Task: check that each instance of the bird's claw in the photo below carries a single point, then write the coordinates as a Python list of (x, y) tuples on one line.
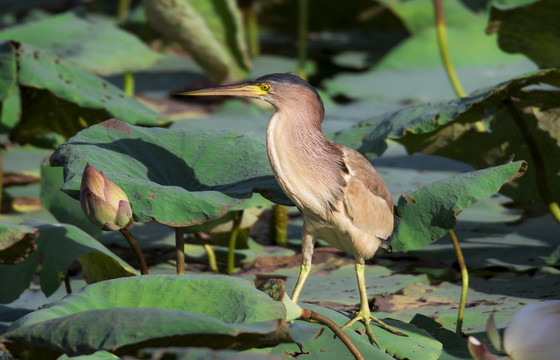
[(367, 318)]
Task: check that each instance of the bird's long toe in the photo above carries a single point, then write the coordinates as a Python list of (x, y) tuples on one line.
[(367, 318)]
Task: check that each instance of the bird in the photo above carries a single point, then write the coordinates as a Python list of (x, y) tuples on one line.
[(340, 195)]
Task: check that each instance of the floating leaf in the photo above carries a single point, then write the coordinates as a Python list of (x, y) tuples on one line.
[(85, 43), (454, 346), (428, 213), (444, 129), (52, 89), (530, 29), (418, 345), (59, 245), (210, 31), (176, 177), (155, 311), (16, 242), (193, 353)]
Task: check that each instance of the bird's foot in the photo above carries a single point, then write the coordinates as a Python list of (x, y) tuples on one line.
[(366, 317)]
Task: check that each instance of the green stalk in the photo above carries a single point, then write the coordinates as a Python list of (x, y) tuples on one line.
[(538, 162), (279, 225), (302, 37), (122, 11), (446, 58), (252, 26), (180, 250), (67, 282), (137, 251), (128, 83), (232, 240), (464, 277), (212, 263)]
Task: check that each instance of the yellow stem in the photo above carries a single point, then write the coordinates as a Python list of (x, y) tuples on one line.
[(554, 210), (180, 250), (122, 11), (232, 240), (128, 83), (465, 278), (279, 225), (209, 252), (252, 24), (446, 58)]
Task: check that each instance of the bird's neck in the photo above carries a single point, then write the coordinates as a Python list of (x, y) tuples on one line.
[(304, 162)]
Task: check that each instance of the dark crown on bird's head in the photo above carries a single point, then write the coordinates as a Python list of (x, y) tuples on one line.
[(288, 79)]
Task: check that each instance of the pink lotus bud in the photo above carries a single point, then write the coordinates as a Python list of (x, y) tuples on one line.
[(104, 203)]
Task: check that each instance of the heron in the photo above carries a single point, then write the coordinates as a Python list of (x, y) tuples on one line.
[(340, 195)]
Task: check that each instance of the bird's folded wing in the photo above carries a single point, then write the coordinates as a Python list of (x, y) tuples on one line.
[(366, 198)]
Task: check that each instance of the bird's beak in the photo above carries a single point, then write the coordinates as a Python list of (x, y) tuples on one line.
[(244, 90)]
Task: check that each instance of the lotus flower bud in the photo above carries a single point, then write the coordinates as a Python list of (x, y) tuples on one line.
[(532, 334), (104, 203)]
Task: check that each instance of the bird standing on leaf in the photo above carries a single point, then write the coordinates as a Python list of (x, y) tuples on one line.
[(340, 195)]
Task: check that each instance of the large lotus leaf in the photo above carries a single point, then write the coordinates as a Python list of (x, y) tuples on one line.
[(454, 345), (194, 353), (444, 129), (428, 213), (176, 177), (369, 137), (530, 29), (8, 68), (98, 355), (152, 311), (418, 345), (61, 97), (58, 246), (85, 43), (210, 31), (16, 242)]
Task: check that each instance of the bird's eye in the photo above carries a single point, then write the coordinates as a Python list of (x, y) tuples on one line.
[(265, 87)]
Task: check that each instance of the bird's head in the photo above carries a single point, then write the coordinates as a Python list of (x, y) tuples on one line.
[(280, 90)]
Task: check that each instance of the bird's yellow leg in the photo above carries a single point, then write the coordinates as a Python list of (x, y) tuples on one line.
[(307, 242), (365, 313), (304, 271)]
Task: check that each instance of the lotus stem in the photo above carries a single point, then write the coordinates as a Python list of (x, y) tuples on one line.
[(465, 279), (122, 11), (554, 210), (446, 58), (302, 38), (212, 263), (128, 85), (232, 240), (538, 162), (279, 225), (137, 251), (311, 315), (252, 28), (67, 284), (180, 250)]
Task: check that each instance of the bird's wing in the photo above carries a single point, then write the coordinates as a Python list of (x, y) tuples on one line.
[(366, 200)]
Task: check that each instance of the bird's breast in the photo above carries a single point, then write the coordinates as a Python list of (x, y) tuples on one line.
[(305, 169)]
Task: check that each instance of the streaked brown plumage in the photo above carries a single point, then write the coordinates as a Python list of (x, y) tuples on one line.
[(340, 195)]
